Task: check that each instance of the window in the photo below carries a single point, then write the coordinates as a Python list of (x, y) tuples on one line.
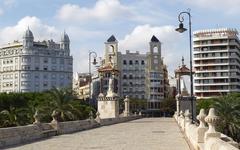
[(25, 67), (37, 60), (143, 63), (25, 75), (61, 68), (36, 76), (54, 60), (25, 83), (53, 76), (130, 62), (130, 83), (136, 62), (26, 59), (45, 60), (155, 49), (54, 68), (70, 62), (124, 62), (45, 67), (61, 76), (45, 84), (45, 76), (124, 76), (61, 61), (36, 67), (130, 77)]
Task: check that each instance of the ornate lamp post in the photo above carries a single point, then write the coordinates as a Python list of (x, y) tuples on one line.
[(89, 69), (181, 29)]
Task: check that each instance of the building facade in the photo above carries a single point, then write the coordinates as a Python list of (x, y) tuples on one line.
[(154, 83), (216, 62), (140, 76), (30, 66), (81, 85), (133, 75)]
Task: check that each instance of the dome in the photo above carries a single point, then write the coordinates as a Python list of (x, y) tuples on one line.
[(28, 33), (65, 37)]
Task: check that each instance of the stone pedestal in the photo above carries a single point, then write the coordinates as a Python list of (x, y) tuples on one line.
[(108, 106), (126, 107)]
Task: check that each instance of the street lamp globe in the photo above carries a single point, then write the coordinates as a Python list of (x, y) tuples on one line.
[(181, 29)]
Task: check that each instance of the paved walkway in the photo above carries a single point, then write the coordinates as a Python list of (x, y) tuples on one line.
[(142, 134)]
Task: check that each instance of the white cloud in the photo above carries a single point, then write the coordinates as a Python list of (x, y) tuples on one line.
[(102, 11), (172, 49), (225, 6), (40, 31)]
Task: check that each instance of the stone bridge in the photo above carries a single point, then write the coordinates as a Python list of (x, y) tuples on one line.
[(141, 134), (122, 133)]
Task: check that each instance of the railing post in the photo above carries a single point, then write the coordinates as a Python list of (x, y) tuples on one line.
[(98, 119), (181, 119), (55, 122), (36, 117), (91, 117), (211, 119), (202, 127), (187, 119)]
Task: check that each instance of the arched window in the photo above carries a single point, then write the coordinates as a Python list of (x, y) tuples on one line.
[(155, 49), (111, 49)]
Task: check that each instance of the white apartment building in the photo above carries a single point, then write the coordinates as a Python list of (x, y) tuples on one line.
[(30, 66), (216, 62), (133, 75)]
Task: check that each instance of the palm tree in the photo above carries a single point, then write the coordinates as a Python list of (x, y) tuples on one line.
[(62, 102), (228, 109), (13, 117)]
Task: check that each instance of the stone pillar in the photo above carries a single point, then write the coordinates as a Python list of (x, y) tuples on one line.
[(91, 117), (36, 117), (140, 113), (202, 127), (211, 119), (126, 112)]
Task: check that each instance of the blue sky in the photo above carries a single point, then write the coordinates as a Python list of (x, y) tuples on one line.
[(89, 23)]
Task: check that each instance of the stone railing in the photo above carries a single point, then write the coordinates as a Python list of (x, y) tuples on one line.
[(202, 137), (23, 134)]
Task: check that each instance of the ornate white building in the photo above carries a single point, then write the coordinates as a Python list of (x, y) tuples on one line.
[(30, 66)]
